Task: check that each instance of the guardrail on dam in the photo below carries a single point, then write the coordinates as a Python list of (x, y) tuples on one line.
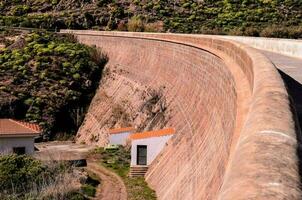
[(236, 136)]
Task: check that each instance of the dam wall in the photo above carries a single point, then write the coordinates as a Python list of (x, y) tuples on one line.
[(235, 133)]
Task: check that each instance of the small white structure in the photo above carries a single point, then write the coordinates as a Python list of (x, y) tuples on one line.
[(17, 136), (119, 136), (147, 145)]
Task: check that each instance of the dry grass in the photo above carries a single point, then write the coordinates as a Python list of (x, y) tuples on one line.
[(61, 182), (154, 27), (135, 24), (58, 188)]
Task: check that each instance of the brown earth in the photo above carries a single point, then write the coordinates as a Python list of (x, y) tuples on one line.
[(112, 186), (236, 136)]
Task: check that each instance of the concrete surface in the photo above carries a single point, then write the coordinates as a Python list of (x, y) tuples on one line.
[(236, 133), (62, 150), (286, 55), (290, 69), (289, 47), (289, 65)]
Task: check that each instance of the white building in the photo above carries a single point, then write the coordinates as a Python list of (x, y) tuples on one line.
[(17, 137), (119, 136), (147, 145)]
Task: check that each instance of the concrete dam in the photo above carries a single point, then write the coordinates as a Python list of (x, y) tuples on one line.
[(236, 131)]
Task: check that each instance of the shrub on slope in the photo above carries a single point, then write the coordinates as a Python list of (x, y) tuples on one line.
[(48, 79), (24, 178), (247, 17)]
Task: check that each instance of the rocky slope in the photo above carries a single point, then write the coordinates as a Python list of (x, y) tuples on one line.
[(121, 102)]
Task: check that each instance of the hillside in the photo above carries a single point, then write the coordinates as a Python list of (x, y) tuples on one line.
[(269, 18), (47, 79)]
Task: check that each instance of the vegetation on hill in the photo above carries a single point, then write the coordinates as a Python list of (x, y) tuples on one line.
[(24, 178), (48, 79), (271, 18)]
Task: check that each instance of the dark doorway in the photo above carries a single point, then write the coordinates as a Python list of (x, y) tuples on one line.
[(19, 150), (141, 154)]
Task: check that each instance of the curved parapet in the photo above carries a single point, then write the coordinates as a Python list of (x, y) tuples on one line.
[(236, 136), (289, 47)]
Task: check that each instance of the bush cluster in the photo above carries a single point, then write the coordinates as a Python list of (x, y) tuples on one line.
[(247, 17), (49, 79), (24, 178), (19, 173)]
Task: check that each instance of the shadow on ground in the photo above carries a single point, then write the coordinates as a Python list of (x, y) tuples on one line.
[(294, 88)]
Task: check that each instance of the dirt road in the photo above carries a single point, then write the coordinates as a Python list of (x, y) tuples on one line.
[(112, 186)]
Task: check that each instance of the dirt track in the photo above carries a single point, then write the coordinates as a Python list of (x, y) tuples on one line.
[(111, 187)]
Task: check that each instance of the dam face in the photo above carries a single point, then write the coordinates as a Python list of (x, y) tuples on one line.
[(201, 93), (235, 134)]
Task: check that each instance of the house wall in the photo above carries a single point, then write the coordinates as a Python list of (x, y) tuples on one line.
[(154, 147), (7, 144), (119, 139)]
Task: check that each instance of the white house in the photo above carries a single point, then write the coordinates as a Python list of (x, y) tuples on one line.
[(147, 145), (119, 136), (17, 136)]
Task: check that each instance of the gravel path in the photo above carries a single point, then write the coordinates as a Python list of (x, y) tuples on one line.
[(112, 186)]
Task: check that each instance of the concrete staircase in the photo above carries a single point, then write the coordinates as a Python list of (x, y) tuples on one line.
[(138, 171)]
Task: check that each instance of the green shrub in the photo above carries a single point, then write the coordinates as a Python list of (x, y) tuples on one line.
[(24, 178), (88, 190), (57, 70), (76, 196), (20, 10), (228, 16), (18, 172), (282, 32), (135, 24)]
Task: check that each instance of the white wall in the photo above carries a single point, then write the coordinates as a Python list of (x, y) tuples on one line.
[(7, 144), (289, 47), (119, 138), (154, 147)]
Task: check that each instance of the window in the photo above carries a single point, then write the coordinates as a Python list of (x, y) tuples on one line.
[(19, 150), (141, 154)]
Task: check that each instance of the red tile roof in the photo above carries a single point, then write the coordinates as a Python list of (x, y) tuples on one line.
[(149, 134), (10, 127), (121, 130)]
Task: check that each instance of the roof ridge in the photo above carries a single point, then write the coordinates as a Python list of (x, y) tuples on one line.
[(22, 124), (118, 130), (150, 134)]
